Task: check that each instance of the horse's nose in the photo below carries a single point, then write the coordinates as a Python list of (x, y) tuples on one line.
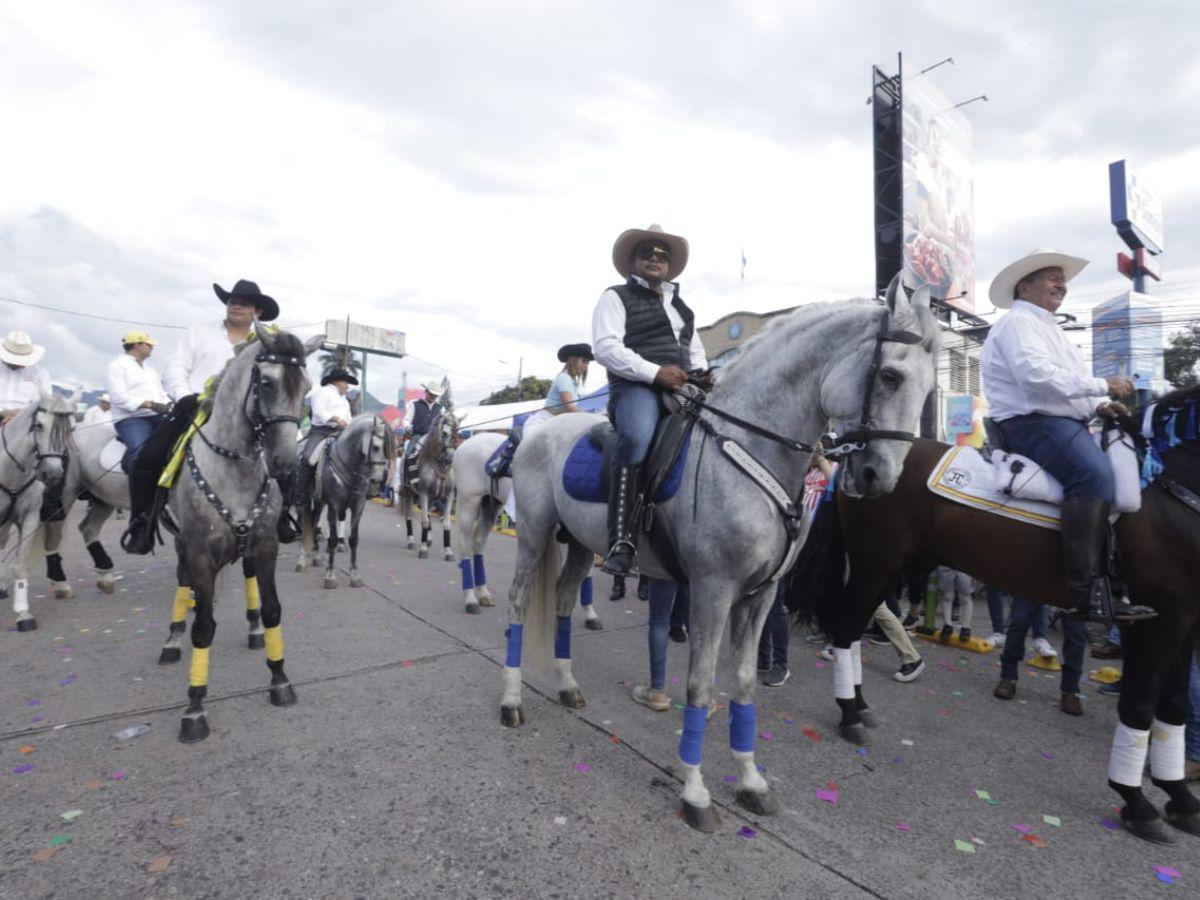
[(869, 476)]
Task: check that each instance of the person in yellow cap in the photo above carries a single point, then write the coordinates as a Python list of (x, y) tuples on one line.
[(139, 402)]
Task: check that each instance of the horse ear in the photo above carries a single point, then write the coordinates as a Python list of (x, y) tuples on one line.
[(921, 297), (263, 334), (896, 298), (313, 343)]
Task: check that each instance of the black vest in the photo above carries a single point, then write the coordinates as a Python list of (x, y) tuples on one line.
[(648, 331), (423, 414)]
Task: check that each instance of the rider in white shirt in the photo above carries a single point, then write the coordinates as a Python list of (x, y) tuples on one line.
[(22, 380), (330, 414), (139, 402), (100, 415)]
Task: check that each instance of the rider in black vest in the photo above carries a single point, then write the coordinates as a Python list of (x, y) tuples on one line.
[(419, 419), (644, 335)]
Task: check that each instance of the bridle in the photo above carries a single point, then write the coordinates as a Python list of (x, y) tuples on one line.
[(252, 409), (39, 457)]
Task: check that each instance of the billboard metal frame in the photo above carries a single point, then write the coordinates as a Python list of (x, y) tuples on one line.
[(888, 131)]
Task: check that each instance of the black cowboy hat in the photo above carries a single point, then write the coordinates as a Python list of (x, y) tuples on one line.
[(566, 351), (248, 290), (338, 375)]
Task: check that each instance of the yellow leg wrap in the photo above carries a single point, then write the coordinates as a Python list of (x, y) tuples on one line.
[(253, 601), (273, 638), (183, 602), (198, 677)]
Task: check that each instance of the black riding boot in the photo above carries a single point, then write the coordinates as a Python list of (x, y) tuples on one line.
[(287, 530), (1085, 533), (622, 531), (138, 538)]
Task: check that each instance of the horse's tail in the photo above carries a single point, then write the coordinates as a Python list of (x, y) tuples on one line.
[(818, 579), (542, 606)]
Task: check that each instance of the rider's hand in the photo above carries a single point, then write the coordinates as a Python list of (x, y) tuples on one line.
[(160, 408), (1119, 385), (1112, 409), (672, 378)]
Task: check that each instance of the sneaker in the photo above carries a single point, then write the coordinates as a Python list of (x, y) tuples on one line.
[(876, 636), (651, 699), (909, 671), (679, 634), (964, 634), (1108, 650), (827, 652), (996, 640), (947, 632), (1042, 648), (1113, 690), (776, 676), (910, 622)]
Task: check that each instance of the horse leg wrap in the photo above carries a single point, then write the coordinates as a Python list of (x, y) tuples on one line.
[(468, 583), (1129, 749), (253, 600), (562, 637), (446, 539), (21, 597), (856, 656), (54, 567), (586, 592), (273, 639), (843, 674), (1166, 752), (691, 742), (515, 634), (182, 603), (100, 559), (408, 526), (198, 673), (742, 719), (480, 574)]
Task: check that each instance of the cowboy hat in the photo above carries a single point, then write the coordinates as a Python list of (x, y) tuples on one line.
[(1004, 284), (338, 374), (630, 238), (248, 290), (138, 337), (18, 349), (566, 351), (436, 389)]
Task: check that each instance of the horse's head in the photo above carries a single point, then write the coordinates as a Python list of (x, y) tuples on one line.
[(378, 450), (874, 394), (277, 384), (50, 429), (446, 429)]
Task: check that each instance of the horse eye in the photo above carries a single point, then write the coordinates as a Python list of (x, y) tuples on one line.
[(891, 378)]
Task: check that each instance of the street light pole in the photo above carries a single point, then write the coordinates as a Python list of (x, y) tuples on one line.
[(520, 378)]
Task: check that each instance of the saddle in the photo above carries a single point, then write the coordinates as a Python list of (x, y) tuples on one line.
[(111, 454)]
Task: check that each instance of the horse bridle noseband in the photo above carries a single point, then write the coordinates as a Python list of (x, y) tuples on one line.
[(15, 494), (252, 409)]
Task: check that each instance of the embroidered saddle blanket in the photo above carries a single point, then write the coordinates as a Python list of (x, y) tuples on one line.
[(1014, 486), (586, 471)]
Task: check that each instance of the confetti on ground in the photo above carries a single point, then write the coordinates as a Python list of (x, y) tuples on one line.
[(177, 821), (23, 768), (37, 719), (159, 864), (560, 820), (1022, 827), (828, 795), (1168, 871), (1110, 824), (614, 739), (963, 846), (28, 748), (1034, 840), (408, 664), (45, 853), (904, 826), (731, 779), (897, 759), (1047, 755), (582, 767), (68, 680), (70, 815), (984, 795), (812, 734), (674, 679), (1164, 878), (944, 713), (1052, 820), (979, 841), (59, 840), (906, 742), (747, 832), (33, 702), (767, 735), (861, 751), (117, 776)]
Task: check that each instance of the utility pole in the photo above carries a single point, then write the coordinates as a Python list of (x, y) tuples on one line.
[(520, 374)]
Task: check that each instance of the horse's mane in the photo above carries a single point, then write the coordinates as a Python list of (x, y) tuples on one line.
[(282, 342)]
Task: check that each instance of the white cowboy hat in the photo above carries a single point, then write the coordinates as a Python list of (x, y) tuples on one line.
[(629, 239), (18, 349), (1003, 285), (436, 389)]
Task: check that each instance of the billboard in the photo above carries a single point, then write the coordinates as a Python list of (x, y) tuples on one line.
[(939, 202), (343, 332), (1128, 339), (1137, 210)]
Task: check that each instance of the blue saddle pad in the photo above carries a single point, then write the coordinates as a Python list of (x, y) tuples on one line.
[(491, 461), (584, 477)]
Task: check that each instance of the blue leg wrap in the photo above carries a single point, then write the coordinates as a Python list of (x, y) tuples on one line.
[(695, 718), (480, 575), (585, 592), (562, 637), (468, 583), (514, 634), (741, 727)]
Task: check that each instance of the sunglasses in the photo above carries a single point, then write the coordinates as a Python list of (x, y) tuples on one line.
[(654, 256)]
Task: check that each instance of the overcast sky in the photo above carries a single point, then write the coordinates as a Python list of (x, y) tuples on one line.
[(459, 170)]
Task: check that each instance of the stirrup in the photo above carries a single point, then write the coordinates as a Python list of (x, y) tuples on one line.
[(287, 531), (137, 539), (620, 558)]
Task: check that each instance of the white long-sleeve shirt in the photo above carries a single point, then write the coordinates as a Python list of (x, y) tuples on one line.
[(328, 404), (21, 386), (1029, 366), (130, 384), (203, 353), (608, 337)]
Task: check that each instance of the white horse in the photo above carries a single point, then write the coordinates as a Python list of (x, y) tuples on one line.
[(433, 481), (480, 499), (735, 524)]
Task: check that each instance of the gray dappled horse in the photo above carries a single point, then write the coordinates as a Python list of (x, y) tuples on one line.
[(351, 471), (35, 445), (865, 367), (225, 503), (434, 481)]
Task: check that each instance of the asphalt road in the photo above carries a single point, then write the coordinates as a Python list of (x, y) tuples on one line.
[(392, 776)]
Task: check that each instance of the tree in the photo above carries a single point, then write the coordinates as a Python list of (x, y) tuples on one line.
[(1182, 354), (532, 388), (341, 358)]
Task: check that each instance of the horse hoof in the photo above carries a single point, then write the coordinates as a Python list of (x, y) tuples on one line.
[(1151, 830), (256, 641), (64, 593), (107, 587), (357, 582), (594, 625), (855, 734), (512, 716), (29, 624), (702, 818), (449, 557), (330, 584), (486, 600), (1187, 822), (169, 655), (572, 699), (410, 545), (422, 554), (761, 803), (473, 609), (301, 567), (869, 719), (193, 728), (282, 694)]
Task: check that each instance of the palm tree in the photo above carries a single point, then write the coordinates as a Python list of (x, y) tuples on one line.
[(341, 358)]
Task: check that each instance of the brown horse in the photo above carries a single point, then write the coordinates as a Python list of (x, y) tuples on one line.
[(1159, 562)]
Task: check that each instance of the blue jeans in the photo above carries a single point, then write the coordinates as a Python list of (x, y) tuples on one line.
[(1192, 733), (995, 602), (1026, 613), (662, 596), (681, 609), (1065, 449), (635, 410), (134, 432), (773, 644)]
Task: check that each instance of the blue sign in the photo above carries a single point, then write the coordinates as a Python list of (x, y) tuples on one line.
[(1137, 211), (1127, 338)]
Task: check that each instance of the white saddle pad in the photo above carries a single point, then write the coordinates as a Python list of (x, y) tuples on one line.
[(318, 451), (110, 455), (1016, 487)]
